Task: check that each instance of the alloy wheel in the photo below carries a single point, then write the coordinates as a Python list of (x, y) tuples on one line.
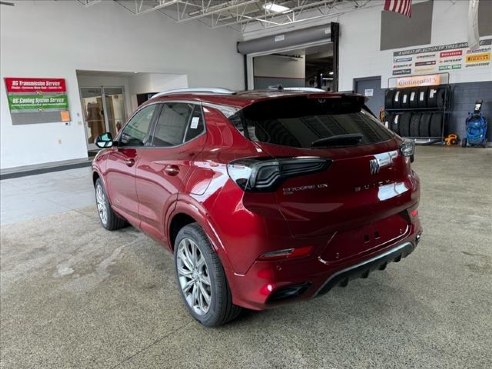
[(101, 202), (193, 276)]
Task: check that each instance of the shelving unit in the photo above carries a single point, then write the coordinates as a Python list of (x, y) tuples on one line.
[(441, 96)]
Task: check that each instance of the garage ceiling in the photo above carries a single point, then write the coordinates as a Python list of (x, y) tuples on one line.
[(242, 15)]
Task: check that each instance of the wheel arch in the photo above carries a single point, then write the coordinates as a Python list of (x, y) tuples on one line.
[(95, 176), (185, 213), (177, 222)]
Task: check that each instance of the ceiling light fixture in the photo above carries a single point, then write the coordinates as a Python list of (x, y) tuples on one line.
[(275, 8)]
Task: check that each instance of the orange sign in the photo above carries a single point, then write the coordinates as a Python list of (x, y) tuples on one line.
[(417, 81), (65, 116), (478, 58)]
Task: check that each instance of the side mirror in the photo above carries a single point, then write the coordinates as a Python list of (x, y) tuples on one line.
[(104, 140)]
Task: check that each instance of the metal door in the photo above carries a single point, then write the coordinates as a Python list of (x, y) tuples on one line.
[(371, 88)]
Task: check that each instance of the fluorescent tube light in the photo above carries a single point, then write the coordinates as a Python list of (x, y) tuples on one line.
[(275, 8)]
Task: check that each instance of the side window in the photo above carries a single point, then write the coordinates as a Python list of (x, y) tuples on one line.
[(196, 126), (136, 131), (171, 126)]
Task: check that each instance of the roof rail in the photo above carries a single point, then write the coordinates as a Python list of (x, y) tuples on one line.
[(212, 90), (303, 89)]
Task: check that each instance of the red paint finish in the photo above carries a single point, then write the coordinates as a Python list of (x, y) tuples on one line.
[(119, 177), (333, 219)]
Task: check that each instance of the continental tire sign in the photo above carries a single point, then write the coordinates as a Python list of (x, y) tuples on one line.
[(417, 81)]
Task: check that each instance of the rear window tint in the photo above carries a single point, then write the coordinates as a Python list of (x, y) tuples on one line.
[(300, 121)]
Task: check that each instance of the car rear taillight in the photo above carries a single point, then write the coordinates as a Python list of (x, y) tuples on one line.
[(413, 213), (408, 149), (287, 253), (266, 174)]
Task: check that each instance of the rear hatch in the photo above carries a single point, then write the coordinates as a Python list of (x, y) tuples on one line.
[(358, 200)]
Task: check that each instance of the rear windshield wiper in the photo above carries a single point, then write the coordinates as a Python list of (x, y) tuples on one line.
[(347, 139)]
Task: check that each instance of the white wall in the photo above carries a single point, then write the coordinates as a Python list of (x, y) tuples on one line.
[(360, 37), (360, 31), (142, 83), (56, 38)]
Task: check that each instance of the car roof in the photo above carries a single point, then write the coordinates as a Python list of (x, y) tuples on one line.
[(241, 99)]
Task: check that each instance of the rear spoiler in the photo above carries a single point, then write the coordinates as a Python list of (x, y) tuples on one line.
[(330, 95)]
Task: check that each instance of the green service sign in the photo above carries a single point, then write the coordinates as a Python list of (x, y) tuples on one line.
[(25, 103)]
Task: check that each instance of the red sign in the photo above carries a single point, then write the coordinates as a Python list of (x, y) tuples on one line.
[(445, 54), (34, 85)]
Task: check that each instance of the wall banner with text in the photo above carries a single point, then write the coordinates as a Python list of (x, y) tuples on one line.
[(444, 58), (37, 100)]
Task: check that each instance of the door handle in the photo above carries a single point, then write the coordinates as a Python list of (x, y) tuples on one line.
[(129, 162), (171, 170)]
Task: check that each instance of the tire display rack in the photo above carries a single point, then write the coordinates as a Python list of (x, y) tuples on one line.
[(418, 113)]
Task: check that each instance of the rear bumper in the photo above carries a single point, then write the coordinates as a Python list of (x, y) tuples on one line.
[(268, 284), (363, 269)]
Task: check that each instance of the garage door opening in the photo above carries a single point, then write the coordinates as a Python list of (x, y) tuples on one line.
[(303, 58), (307, 67)]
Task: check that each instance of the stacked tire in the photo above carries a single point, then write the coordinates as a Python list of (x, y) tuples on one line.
[(433, 97), (435, 127), (424, 126), (405, 124), (417, 112), (416, 125)]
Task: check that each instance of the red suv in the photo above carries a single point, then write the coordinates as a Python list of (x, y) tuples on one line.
[(264, 197)]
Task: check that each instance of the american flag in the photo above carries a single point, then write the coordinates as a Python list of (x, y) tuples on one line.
[(399, 6)]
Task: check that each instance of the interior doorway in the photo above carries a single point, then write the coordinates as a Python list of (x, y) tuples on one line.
[(370, 87), (104, 111)]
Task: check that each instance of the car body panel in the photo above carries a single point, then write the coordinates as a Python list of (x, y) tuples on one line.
[(161, 174), (120, 181)]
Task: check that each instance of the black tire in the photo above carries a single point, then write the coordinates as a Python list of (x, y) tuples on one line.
[(424, 126), (422, 97), (435, 129), (388, 99), (405, 124), (395, 126), (432, 97), (441, 98), (110, 220), (415, 125), (463, 142), (388, 119), (414, 98), (397, 99), (220, 309), (405, 99)]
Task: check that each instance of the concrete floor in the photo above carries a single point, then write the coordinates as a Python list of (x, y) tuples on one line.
[(45, 194), (76, 296)]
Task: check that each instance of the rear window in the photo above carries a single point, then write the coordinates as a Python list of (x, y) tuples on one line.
[(301, 121)]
